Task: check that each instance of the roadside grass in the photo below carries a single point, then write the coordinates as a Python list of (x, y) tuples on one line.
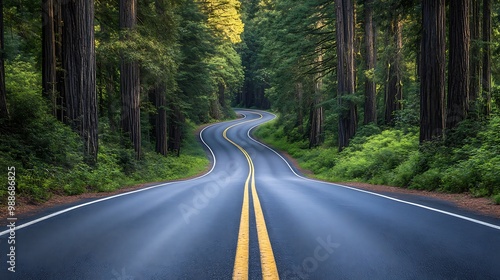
[(468, 161)]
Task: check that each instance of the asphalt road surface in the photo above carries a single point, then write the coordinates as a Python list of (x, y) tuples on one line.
[(252, 217)]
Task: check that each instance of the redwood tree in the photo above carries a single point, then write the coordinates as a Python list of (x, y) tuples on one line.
[(58, 27), (394, 92), (129, 81), (158, 94), (4, 113), (345, 71), (458, 66), (486, 77), (316, 116), (80, 72), (370, 89), (49, 78), (432, 70), (474, 59)]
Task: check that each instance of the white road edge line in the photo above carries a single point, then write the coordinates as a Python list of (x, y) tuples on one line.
[(123, 194), (363, 191)]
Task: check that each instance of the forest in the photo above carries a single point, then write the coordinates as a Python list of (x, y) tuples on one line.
[(399, 93), (97, 95)]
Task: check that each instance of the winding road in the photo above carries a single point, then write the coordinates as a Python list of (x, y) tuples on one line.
[(253, 216)]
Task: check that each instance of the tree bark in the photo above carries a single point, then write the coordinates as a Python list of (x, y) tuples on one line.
[(111, 98), (130, 82), (458, 67), (174, 125), (432, 75), (4, 112), (486, 77), (60, 73), (394, 92), (474, 60), (80, 79), (299, 101), (49, 77), (370, 87), (316, 119), (345, 71), (316, 123), (215, 108), (160, 122)]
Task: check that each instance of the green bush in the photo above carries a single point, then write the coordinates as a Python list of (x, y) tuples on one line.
[(376, 158), (460, 177), (429, 180), (496, 199), (408, 169), (468, 161)]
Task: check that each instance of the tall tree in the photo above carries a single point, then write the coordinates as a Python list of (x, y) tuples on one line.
[(345, 71), (394, 91), (80, 68), (129, 80), (458, 65), (317, 118), (60, 73), (486, 77), (160, 97), (160, 123), (370, 60), (432, 74), (49, 77), (4, 113), (475, 49)]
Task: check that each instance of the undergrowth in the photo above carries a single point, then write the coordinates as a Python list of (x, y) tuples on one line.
[(467, 161), (47, 154)]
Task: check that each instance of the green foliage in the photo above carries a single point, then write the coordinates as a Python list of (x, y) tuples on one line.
[(394, 157), (429, 180), (375, 158), (496, 199), (404, 173), (47, 154), (116, 168)]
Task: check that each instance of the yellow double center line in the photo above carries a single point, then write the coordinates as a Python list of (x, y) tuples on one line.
[(268, 264)]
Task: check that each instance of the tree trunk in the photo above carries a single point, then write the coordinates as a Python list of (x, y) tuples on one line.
[(370, 87), (222, 95), (474, 59), (394, 93), (160, 122), (458, 67), (486, 79), (49, 78), (174, 131), (215, 109), (80, 79), (345, 71), (4, 113), (130, 82), (60, 73), (299, 101), (110, 100), (432, 76), (316, 120)]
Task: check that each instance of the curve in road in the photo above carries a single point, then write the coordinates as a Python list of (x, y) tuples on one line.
[(299, 228)]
